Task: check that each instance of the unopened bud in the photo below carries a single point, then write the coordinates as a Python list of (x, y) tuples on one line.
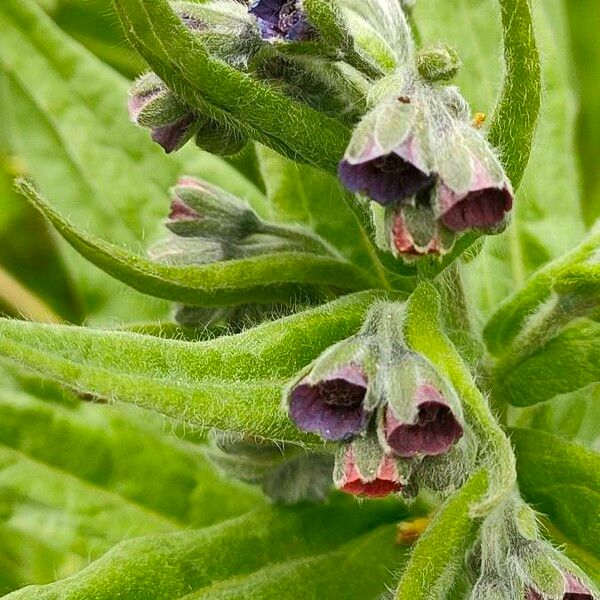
[(440, 63), (153, 105), (363, 468), (179, 252), (200, 209)]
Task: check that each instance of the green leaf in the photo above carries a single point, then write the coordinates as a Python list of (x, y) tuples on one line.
[(212, 86), (562, 480), (574, 416), (585, 43), (76, 479), (569, 361), (246, 373), (274, 553), (267, 278), (67, 117), (511, 318), (437, 561)]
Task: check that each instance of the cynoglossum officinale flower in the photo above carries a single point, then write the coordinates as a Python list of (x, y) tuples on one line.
[(419, 143)]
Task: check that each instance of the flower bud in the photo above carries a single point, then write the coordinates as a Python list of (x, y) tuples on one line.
[(331, 399), (199, 209), (363, 468), (409, 229), (180, 252), (153, 105), (281, 20), (422, 413), (440, 63)]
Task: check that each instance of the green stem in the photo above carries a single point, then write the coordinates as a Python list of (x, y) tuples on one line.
[(516, 113), (364, 64)]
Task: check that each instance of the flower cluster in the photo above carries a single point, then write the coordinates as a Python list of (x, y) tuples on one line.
[(387, 405), (417, 154), (511, 560)]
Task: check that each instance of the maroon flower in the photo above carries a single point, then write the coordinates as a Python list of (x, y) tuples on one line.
[(332, 407), (153, 105), (433, 431)]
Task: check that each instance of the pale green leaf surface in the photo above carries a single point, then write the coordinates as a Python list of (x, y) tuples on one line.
[(244, 555), (568, 362), (562, 480)]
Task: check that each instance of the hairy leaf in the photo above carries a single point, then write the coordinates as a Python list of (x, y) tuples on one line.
[(562, 480), (275, 553), (569, 361), (233, 383), (266, 278)]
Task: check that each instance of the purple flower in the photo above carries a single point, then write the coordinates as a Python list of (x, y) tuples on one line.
[(433, 431), (483, 205), (281, 20), (385, 177), (332, 407)]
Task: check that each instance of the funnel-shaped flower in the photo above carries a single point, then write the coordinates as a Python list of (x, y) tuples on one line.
[(153, 105), (421, 414), (363, 469), (281, 20), (473, 191), (333, 407), (331, 399), (387, 155)]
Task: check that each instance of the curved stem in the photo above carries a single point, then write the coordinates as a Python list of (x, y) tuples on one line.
[(516, 113)]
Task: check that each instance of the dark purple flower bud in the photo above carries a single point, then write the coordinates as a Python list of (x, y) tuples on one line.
[(484, 206), (333, 407), (433, 430), (175, 135), (363, 469), (281, 20), (153, 105), (473, 191)]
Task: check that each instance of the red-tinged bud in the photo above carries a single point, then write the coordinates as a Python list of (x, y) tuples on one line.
[(364, 469)]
